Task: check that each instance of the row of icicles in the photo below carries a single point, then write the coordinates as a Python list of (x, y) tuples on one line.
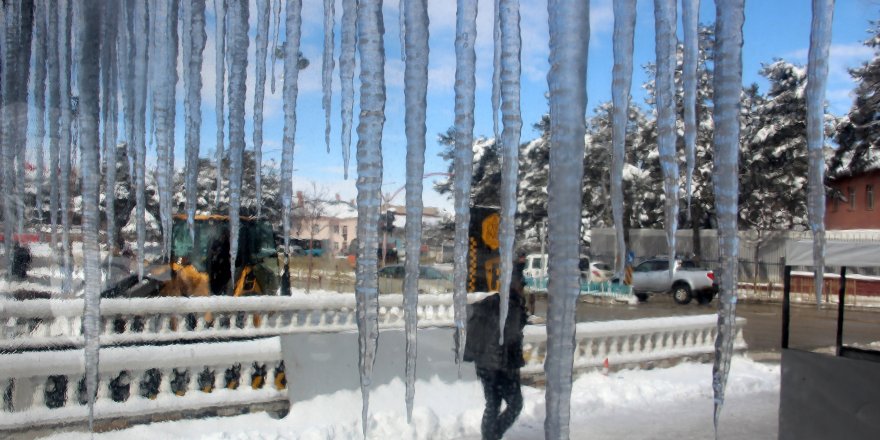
[(113, 56)]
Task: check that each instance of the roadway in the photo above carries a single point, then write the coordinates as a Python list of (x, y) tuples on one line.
[(811, 328)]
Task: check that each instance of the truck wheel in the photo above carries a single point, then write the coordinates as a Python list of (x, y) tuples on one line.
[(642, 297), (681, 294), (704, 298)]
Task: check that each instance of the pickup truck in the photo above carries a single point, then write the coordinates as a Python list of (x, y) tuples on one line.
[(688, 281)]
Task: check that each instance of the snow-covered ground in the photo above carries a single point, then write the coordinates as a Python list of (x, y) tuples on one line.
[(672, 403)]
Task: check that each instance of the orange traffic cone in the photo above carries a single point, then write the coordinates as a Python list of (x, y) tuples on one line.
[(605, 367)]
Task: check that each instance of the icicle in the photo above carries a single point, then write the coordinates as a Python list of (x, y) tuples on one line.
[(164, 87), (54, 77), (728, 87), (415, 81), (690, 16), (569, 43), (39, 92), (664, 20), (327, 66), (109, 112), (370, 29), (126, 69), (20, 105), (293, 23), (277, 12), (194, 39), (817, 75), (496, 68), (141, 37), (65, 142), (346, 75), (89, 32), (238, 48), (401, 22), (220, 74), (13, 24), (511, 45), (624, 29), (465, 87), (262, 42)]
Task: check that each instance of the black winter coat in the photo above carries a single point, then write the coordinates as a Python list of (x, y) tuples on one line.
[(481, 346)]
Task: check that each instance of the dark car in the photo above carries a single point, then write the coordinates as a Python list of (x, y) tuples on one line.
[(431, 279)]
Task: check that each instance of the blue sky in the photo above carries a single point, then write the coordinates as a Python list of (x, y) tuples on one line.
[(773, 29)]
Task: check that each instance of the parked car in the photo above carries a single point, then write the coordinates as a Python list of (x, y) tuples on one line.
[(535, 271), (431, 279), (600, 271), (687, 282)]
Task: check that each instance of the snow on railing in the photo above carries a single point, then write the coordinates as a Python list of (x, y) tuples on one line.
[(631, 342), (58, 323), (46, 388)]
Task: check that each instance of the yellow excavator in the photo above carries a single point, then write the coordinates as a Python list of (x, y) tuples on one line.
[(199, 263)]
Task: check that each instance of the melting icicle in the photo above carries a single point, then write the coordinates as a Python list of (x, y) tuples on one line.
[(54, 74), (664, 20), (238, 47), (465, 86), (496, 68), (293, 23), (65, 141), (20, 105), (415, 81), (346, 75), (39, 93), (109, 111), (89, 32), (125, 57), (569, 42), (262, 42), (141, 37), (277, 13), (370, 29), (220, 73), (728, 86), (817, 75), (164, 22), (511, 45), (327, 65), (401, 22), (194, 39), (690, 16), (624, 29)]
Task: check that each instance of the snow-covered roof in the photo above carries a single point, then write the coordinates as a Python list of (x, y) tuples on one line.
[(340, 210)]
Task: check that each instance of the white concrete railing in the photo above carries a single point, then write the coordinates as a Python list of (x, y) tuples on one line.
[(44, 388), (58, 323), (631, 342)]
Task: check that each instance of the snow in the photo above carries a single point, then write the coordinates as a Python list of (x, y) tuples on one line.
[(631, 404)]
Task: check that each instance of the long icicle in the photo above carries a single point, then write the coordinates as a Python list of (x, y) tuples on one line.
[(415, 81), (621, 82), (220, 78), (89, 32), (728, 87), (817, 76), (664, 20), (238, 49), (690, 16), (262, 42), (126, 69), (293, 23), (164, 87), (569, 44), (141, 37), (65, 141), (194, 40), (346, 76), (465, 87), (23, 61), (54, 115), (370, 29), (109, 113), (39, 93), (327, 65), (273, 56), (496, 68), (511, 46)]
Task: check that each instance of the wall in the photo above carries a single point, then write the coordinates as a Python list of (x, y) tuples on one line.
[(856, 215)]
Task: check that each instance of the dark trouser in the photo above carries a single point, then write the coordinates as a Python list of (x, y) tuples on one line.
[(499, 385)]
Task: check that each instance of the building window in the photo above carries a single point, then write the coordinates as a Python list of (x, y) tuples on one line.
[(345, 231), (336, 246), (852, 198), (335, 229), (835, 202), (869, 197)]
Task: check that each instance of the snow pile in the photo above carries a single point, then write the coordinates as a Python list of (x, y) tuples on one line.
[(663, 399)]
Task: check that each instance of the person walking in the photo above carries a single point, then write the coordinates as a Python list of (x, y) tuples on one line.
[(497, 365)]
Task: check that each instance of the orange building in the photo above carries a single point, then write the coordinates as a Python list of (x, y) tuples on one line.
[(853, 201)]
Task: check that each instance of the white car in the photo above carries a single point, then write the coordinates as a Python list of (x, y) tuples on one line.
[(600, 271)]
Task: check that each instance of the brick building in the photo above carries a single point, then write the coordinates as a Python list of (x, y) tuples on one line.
[(853, 201)]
